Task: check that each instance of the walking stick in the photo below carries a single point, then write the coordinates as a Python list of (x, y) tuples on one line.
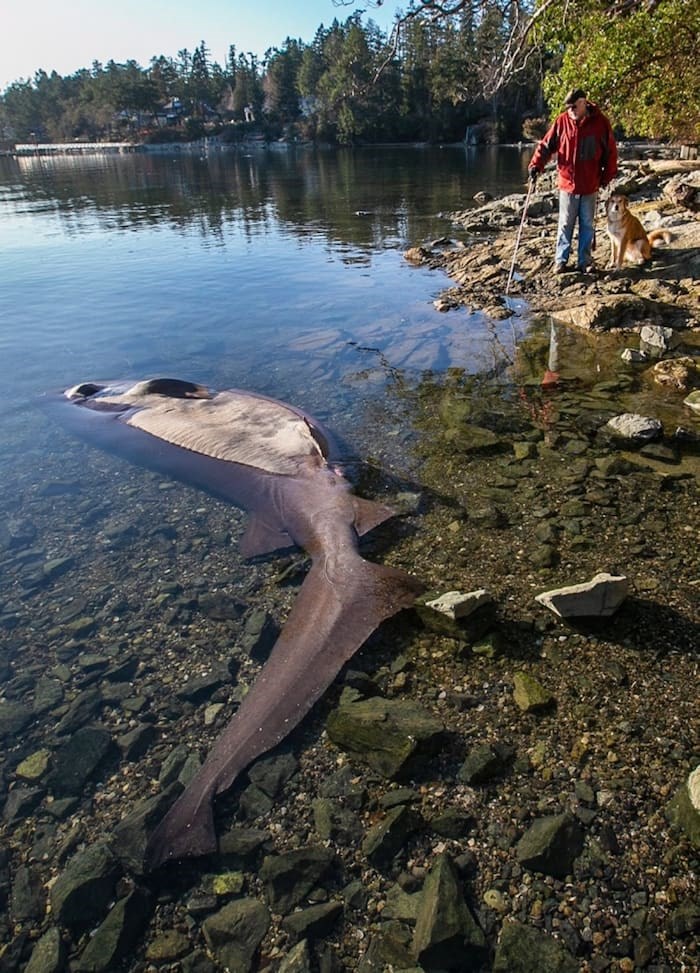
[(520, 233)]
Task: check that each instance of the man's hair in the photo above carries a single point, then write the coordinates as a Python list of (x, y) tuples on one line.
[(574, 95)]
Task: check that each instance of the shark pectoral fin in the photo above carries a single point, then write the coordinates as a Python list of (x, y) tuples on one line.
[(262, 538), (369, 514)]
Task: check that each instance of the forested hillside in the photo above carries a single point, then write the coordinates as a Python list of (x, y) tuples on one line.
[(495, 68)]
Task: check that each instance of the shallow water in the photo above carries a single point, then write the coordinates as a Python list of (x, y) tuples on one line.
[(279, 271)]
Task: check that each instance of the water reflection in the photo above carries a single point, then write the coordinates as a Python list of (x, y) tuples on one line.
[(369, 198)]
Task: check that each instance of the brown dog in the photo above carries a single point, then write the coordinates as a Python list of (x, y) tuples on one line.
[(628, 238)]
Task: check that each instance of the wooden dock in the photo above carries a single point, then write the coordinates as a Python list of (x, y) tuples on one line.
[(73, 148)]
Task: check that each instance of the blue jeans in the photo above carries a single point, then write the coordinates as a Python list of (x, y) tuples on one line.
[(572, 208)]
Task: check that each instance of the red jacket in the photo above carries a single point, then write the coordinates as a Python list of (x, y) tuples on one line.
[(586, 151)]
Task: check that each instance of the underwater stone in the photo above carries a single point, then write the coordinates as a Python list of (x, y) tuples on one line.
[(78, 759), (290, 877), (551, 844), (314, 922), (446, 936), (529, 695), (393, 736), (524, 949), (684, 810), (116, 936), (34, 766), (234, 933), (82, 892), (48, 956)]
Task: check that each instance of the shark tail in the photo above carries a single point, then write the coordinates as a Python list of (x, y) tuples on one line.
[(337, 609)]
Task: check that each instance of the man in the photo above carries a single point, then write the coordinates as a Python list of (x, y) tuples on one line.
[(586, 162)]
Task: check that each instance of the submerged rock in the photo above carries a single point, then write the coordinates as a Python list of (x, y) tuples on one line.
[(446, 936), (598, 598), (234, 933), (48, 956), (114, 939), (290, 877), (85, 888), (388, 837), (685, 807), (130, 837), (314, 922), (13, 718), (530, 696), (523, 949), (680, 374), (76, 761), (551, 844), (393, 736), (21, 802)]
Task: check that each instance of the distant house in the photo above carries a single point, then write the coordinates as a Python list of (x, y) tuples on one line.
[(171, 113)]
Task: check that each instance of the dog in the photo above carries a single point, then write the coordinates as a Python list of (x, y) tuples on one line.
[(628, 238)]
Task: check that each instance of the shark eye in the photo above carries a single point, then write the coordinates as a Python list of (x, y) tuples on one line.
[(173, 388), (87, 389)]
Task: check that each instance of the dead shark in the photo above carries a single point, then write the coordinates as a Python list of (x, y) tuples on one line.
[(273, 461)]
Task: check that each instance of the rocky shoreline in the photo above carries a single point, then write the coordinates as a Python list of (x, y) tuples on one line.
[(505, 790)]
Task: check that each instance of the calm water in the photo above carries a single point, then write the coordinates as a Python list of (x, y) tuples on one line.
[(256, 269), (279, 271)]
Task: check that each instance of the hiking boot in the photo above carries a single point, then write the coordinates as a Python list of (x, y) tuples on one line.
[(587, 268), (560, 268)]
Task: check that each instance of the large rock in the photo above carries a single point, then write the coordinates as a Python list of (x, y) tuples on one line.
[(130, 837), (551, 844), (290, 877), (13, 718), (83, 708), (234, 933), (458, 604), (115, 938), (388, 837), (692, 401), (49, 954), (633, 428), (395, 737), (77, 759), (685, 807), (333, 823), (271, 773), (485, 762), (523, 949), (297, 960), (82, 892), (680, 374), (602, 312), (597, 598), (21, 802), (315, 922), (446, 936), (28, 894)]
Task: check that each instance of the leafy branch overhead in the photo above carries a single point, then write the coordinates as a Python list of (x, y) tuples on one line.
[(640, 59)]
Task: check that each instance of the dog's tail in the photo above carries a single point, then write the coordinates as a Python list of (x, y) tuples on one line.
[(657, 235)]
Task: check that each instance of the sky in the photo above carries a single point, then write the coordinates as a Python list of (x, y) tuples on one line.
[(71, 35)]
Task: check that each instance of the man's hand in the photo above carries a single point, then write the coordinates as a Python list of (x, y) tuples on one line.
[(532, 176)]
